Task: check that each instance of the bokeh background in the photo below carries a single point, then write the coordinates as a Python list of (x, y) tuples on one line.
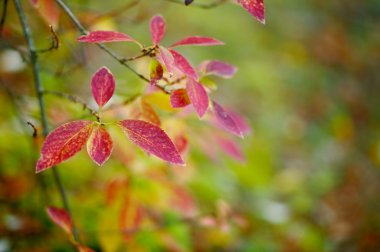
[(308, 82)]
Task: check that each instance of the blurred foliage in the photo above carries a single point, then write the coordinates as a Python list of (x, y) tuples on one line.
[(308, 82)]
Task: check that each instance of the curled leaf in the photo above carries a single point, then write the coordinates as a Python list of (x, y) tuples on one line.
[(103, 86), (60, 217), (179, 98), (183, 65), (198, 96), (197, 41), (225, 120), (167, 59), (63, 143), (152, 139), (255, 7), (156, 71), (99, 145), (218, 68), (157, 29), (104, 37)]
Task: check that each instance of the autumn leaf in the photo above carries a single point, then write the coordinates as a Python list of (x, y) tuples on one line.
[(103, 86), (60, 217), (179, 98), (197, 41), (82, 248), (218, 68), (157, 29), (151, 139), (105, 36), (142, 110), (63, 143), (198, 96), (183, 65), (167, 59), (231, 148), (48, 10), (99, 145), (131, 216), (156, 71), (255, 7), (225, 120)]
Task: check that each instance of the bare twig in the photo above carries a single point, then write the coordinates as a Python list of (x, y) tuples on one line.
[(34, 129), (39, 90), (54, 42)]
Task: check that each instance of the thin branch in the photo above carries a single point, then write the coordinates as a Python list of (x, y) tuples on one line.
[(200, 5), (74, 99), (54, 42), (39, 90), (83, 31), (3, 16)]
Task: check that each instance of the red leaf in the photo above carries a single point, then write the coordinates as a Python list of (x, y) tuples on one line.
[(167, 59), (218, 68), (182, 201), (157, 29), (104, 37), (241, 122), (63, 143), (152, 139), (49, 11), (255, 7), (60, 217), (198, 96), (179, 98), (143, 111), (225, 120), (231, 148), (183, 65), (103, 86), (99, 145), (131, 216), (197, 41), (82, 248), (156, 71)]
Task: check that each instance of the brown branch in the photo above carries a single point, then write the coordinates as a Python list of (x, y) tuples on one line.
[(54, 42)]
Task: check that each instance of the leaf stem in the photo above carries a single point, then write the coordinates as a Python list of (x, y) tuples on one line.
[(39, 90)]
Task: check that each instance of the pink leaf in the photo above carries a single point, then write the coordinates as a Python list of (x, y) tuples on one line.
[(255, 7), (167, 59), (218, 68), (60, 217), (63, 143), (225, 120), (179, 98), (104, 37), (231, 148), (152, 139), (241, 122), (157, 29), (103, 86), (198, 96), (197, 41), (183, 65), (99, 145)]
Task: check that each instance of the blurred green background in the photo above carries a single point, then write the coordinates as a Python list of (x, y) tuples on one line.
[(308, 82)]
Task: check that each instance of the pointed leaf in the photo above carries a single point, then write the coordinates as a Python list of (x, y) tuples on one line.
[(197, 41), (225, 120), (103, 86), (157, 29), (183, 65), (231, 148), (104, 37), (218, 68), (152, 139), (241, 122), (255, 7), (156, 71), (63, 143), (60, 217), (142, 110), (198, 96), (99, 145), (131, 216), (167, 59), (179, 98)]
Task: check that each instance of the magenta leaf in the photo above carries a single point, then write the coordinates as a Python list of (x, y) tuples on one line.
[(225, 120), (255, 7), (179, 98), (152, 139), (218, 68), (197, 41), (167, 59), (99, 145), (198, 96), (63, 143), (183, 65), (157, 29), (103, 86), (60, 217), (231, 148), (104, 37), (241, 122)]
